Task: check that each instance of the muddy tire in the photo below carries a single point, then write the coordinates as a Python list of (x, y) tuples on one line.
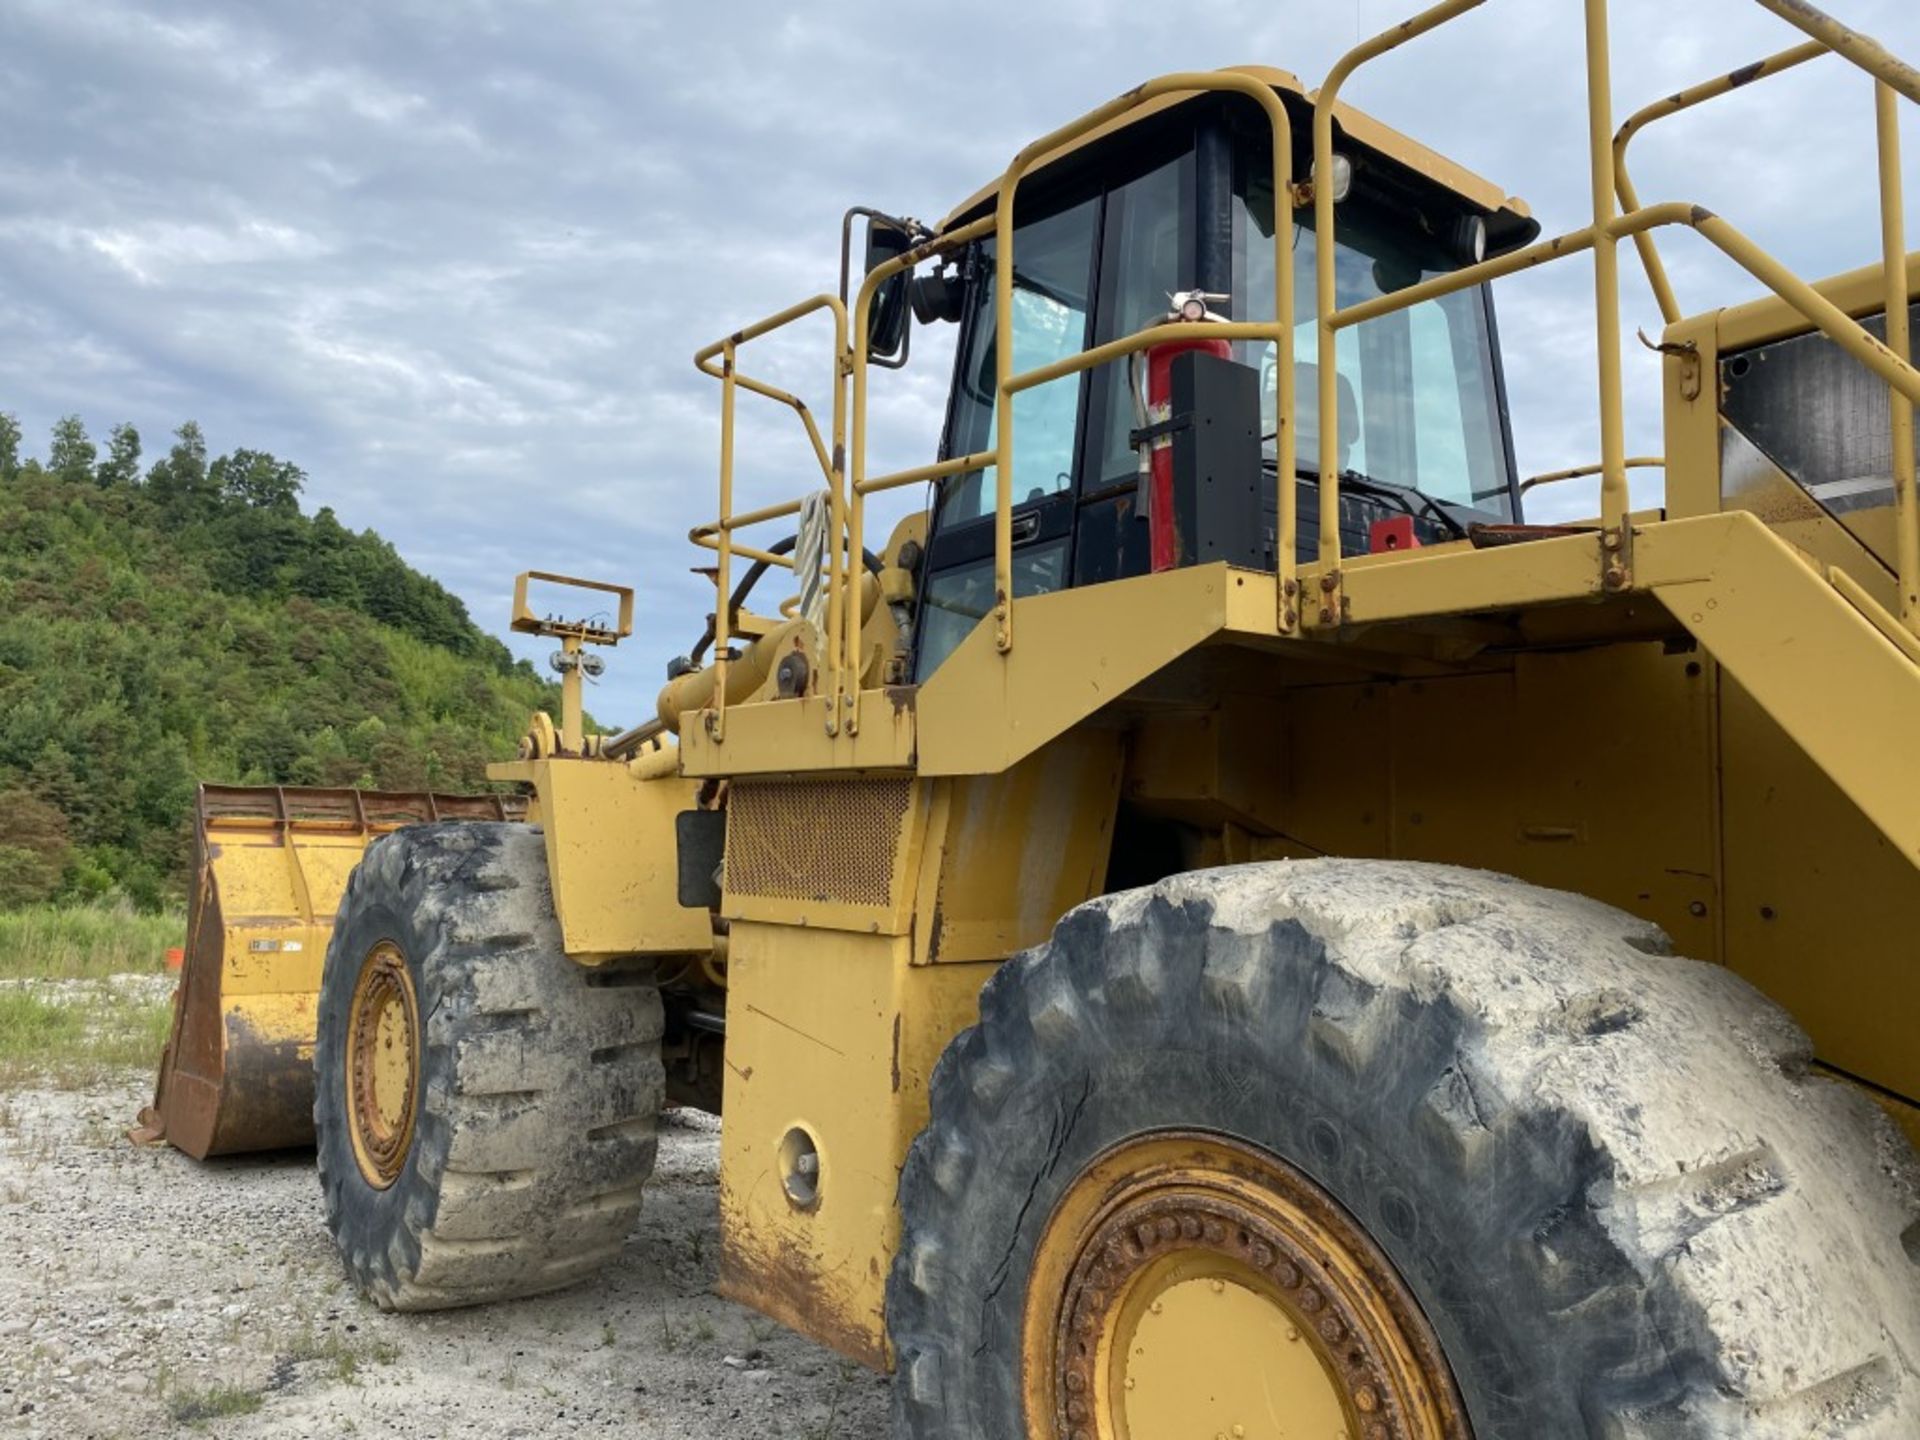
[(1623, 1203), (512, 1161)]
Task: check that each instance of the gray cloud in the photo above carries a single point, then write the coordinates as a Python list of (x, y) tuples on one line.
[(455, 258)]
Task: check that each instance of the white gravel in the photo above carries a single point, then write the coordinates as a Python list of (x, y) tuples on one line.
[(133, 1281)]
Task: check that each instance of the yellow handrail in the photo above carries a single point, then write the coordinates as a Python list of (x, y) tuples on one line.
[(1610, 223), (1893, 241), (721, 532), (1603, 236), (1819, 311), (1280, 331), (1862, 50), (846, 698), (1580, 472), (1327, 554), (1672, 105)]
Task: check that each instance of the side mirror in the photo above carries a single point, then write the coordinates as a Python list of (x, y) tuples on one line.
[(888, 316)]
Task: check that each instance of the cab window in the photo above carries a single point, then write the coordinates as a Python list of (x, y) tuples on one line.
[(1419, 403), (1053, 275)]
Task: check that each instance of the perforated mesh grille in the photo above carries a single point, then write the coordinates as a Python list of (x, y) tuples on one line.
[(822, 840)]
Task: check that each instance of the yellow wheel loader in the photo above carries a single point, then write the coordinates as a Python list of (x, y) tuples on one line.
[(1218, 925)]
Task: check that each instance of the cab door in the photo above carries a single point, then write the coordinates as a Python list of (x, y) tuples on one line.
[(1087, 270), (1055, 274)]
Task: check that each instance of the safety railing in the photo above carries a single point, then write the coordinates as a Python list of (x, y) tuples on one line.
[(718, 536), (1583, 472), (1610, 224), (1602, 237), (845, 618), (1892, 79)]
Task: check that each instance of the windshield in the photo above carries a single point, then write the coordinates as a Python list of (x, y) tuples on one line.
[(1419, 401)]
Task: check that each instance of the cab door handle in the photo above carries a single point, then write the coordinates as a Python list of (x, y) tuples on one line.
[(1025, 527)]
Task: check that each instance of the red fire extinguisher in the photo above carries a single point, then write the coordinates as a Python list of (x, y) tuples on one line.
[(1156, 444)]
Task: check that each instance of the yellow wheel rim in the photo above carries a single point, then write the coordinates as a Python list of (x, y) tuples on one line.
[(1189, 1285), (383, 1064)]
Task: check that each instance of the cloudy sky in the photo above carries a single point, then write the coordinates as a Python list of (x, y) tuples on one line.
[(454, 258)]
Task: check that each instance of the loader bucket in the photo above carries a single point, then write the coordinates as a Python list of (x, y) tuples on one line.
[(270, 866)]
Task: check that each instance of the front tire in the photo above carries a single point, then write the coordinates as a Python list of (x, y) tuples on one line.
[(484, 1108), (1621, 1203)]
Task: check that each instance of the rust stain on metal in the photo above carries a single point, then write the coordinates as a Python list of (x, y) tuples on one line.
[(1487, 537), (902, 698), (934, 928), (790, 1288), (895, 1067), (1747, 73)]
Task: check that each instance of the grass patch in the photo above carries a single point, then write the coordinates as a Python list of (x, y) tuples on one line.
[(75, 1033), (74, 1039), (31, 1027), (342, 1354), (188, 1406), (85, 943)]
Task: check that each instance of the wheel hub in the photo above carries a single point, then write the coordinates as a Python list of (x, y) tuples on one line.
[(1189, 1285), (382, 1064)]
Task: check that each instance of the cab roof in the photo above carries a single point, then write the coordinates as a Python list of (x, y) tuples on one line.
[(1356, 126)]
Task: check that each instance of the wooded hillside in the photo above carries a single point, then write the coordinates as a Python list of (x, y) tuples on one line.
[(189, 622)]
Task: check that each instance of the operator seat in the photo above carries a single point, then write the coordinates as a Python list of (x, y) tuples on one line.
[(1306, 403)]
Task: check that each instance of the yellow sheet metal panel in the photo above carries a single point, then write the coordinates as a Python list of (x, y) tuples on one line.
[(1019, 849), (1511, 771), (613, 857), (1648, 846), (1691, 413), (1362, 127), (1225, 764), (787, 737), (1381, 588), (1079, 650), (1857, 292), (1822, 912), (1838, 687), (277, 900), (832, 1035)]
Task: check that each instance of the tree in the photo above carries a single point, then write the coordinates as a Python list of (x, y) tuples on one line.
[(122, 465), (255, 478), (180, 481), (34, 849), (72, 453), (226, 636), (9, 445)]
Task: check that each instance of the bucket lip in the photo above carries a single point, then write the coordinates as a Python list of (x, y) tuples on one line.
[(342, 808)]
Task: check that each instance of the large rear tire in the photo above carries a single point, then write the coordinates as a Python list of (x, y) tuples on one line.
[(1619, 1200), (484, 1108)]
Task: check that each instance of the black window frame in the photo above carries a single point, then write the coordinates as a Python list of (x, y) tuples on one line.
[(953, 545)]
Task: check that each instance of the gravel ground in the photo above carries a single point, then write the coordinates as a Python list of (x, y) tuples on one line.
[(144, 1294)]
